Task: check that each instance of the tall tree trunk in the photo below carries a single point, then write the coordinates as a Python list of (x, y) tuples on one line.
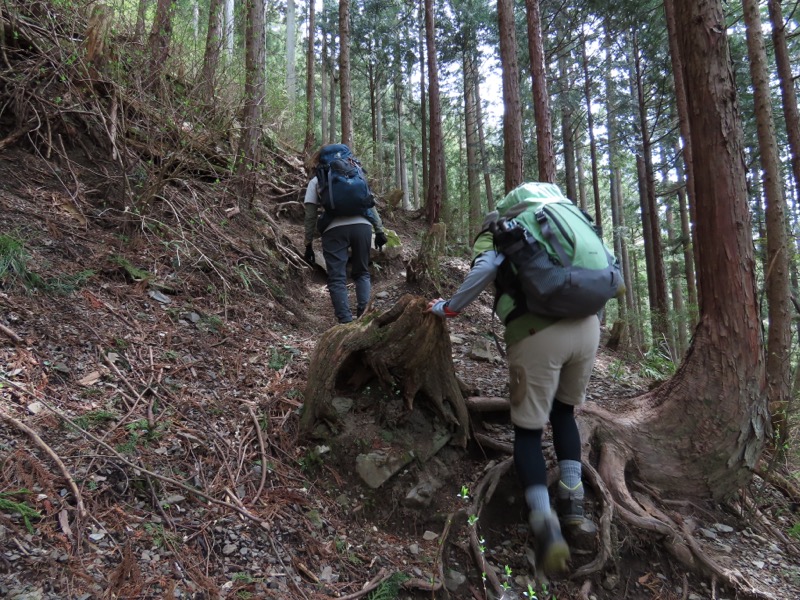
[(379, 130), (776, 276), (310, 102), (631, 294), (401, 150), (195, 23), (683, 123), (700, 434), (487, 178), (659, 302), (159, 41), (677, 324), (720, 387), (414, 178), (436, 169), (334, 77), (373, 97), (473, 145), (208, 74), (254, 88), (541, 106), (423, 102), (567, 129), (141, 14), (291, 41), (323, 85), (615, 194), (230, 28), (686, 237), (587, 92), (512, 106), (786, 80), (344, 73), (581, 172)]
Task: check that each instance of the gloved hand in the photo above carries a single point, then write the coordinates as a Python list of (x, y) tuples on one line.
[(309, 255), (380, 240), (439, 308)]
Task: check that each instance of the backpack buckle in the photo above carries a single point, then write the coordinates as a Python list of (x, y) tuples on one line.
[(540, 216)]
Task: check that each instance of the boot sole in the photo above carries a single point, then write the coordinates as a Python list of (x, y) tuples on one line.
[(556, 557)]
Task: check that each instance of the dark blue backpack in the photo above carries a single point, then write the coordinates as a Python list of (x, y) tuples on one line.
[(343, 187)]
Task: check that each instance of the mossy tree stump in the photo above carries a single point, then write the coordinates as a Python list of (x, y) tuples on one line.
[(403, 348)]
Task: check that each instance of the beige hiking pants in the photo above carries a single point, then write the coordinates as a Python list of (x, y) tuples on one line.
[(555, 362)]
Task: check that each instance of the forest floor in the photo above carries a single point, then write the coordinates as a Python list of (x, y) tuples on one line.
[(149, 442)]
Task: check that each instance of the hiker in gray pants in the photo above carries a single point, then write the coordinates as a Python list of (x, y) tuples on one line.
[(340, 235)]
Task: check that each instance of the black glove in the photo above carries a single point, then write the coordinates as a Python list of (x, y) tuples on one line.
[(380, 240), (309, 255)]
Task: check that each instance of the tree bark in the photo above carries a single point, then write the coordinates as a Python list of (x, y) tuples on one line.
[(473, 145), (208, 74), (323, 83), (779, 337), (291, 40), (402, 173), (423, 103), (567, 130), (436, 169), (487, 178), (683, 123), (587, 92), (512, 106), (159, 41), (310, 60), (541, 105), (141, 13), (229, 29), (687, 242), (403, 348), (700, 434), (344, 74), (659, 302), (786, 79), (254, 87)]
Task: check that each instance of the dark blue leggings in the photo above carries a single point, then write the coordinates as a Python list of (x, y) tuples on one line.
[(528, 457)]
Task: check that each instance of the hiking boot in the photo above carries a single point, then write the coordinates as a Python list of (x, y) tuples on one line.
[(570, 510), (552, 552)]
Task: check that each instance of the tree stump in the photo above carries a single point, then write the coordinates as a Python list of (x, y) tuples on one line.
[(403, 348)]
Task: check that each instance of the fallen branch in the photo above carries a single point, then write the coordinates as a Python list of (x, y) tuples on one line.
[(11, 334), (168, 480), (51, 453)]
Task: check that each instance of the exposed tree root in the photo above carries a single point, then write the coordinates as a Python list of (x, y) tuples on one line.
[(638, 510)]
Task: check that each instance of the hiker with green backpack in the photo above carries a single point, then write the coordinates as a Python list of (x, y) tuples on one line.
[(552, 276), (339, 186)]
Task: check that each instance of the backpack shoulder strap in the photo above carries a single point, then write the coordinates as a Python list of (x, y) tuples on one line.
[(547, 232)]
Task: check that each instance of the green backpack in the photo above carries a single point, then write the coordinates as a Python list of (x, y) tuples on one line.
[(558, 266)]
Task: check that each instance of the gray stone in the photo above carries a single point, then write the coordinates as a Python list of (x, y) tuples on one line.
[(376, 467), (421, 495), (709, 534), (342, 404), (453, 580), (482, 350)]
